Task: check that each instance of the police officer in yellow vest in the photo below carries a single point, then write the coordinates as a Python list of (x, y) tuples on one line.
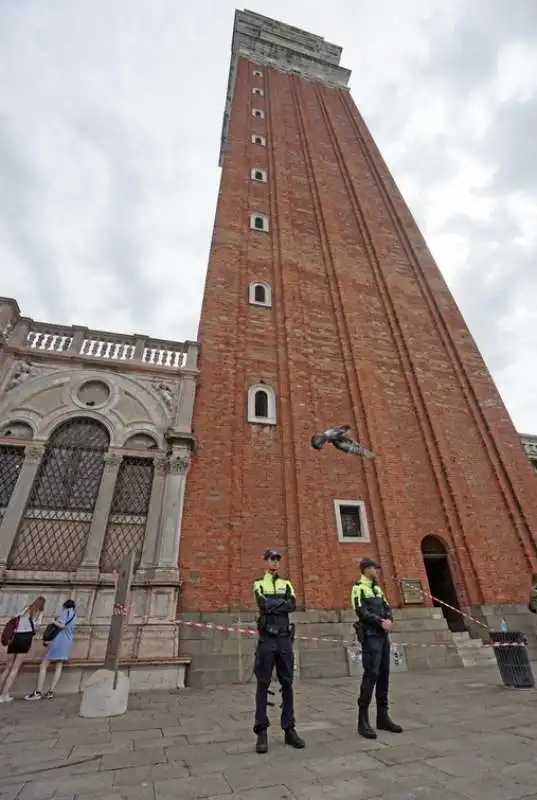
[(373, 625), (275, 598)]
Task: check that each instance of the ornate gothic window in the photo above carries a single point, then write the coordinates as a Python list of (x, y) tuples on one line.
[(11, 460), (55, 528), (127, 522)]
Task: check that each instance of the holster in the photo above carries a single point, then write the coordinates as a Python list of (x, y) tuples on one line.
[(359, 631), (275, 626), (292, 631)]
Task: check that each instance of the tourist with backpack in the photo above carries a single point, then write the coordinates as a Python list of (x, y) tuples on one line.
[(58, 639), (18, 636)]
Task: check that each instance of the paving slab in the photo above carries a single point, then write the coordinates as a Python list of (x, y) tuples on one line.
[(466, 737)]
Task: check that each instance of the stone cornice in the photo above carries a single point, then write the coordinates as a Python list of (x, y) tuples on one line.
[(267, 42)]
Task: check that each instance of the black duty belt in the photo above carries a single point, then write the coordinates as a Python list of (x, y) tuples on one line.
[(275, 626)]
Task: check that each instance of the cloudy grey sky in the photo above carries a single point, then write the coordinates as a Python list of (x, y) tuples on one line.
[(110, 116)]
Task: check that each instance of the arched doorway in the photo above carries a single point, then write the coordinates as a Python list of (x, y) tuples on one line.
[(440, 579)]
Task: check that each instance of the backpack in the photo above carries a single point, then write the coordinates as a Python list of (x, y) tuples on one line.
[(9, 631)]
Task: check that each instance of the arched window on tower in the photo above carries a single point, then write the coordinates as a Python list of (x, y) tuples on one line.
[(261, 405), (259, 175), (260, 294), (259, 222), (56, 525)]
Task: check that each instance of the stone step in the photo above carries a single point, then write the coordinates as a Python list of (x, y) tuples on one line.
[(321, 657), (218, 646), (227, 663), (425, 659), (199, 679), (329, 669), (422, 637), (478, 660), (475, 644)]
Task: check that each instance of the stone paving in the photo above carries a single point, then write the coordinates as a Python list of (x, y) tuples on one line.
[(465, 736)]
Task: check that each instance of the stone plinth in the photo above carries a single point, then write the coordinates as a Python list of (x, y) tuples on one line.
[(105, 694)]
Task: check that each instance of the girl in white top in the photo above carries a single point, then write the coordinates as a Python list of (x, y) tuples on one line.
[(25, 627)]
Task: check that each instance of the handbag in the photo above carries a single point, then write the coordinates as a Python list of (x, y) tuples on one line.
[(52, 630)]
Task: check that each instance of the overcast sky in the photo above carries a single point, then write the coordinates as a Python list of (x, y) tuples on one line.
[(110, 118)]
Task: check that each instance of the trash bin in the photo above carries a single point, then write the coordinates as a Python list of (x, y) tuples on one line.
[(513, 662)]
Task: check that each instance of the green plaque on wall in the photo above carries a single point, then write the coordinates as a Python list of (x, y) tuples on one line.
[(412, 591)]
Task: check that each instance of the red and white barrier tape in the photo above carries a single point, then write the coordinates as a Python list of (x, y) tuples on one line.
[(253, 632), (122, 610)]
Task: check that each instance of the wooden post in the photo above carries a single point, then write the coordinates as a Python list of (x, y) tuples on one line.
[(119, 615)]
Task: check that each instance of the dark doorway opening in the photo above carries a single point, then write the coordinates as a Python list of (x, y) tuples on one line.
[(441, 583)]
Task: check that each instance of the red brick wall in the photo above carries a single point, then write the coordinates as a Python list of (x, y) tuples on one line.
[(362, 330)]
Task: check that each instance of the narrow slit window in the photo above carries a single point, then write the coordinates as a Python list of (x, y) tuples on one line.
[(260, 294)]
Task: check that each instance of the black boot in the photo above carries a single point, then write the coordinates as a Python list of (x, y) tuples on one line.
[(364, 728), (262, 742), (293, 739), (384, 723)]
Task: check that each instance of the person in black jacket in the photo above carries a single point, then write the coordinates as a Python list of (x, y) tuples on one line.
[(275, 599), (373, 625)]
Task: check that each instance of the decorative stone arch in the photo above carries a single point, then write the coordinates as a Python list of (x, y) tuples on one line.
[(153, 413), (54, 421), (19, 419), (150, 433), (261, 404)]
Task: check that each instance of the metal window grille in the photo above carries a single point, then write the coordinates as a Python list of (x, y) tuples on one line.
[(350, 522), (11, 461), (127, 522), (56, 525)]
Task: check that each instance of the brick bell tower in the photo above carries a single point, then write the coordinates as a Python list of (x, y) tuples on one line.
[(323, 306)]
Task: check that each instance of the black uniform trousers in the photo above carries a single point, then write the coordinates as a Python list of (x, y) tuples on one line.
[(376, 666), (274, 651)]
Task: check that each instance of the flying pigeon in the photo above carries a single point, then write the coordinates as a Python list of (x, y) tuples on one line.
[(339, 438)]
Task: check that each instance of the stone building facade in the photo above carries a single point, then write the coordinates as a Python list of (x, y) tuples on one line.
[(95, 446), (530, 446)]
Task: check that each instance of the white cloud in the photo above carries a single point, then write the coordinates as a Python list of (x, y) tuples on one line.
[(110, 118)]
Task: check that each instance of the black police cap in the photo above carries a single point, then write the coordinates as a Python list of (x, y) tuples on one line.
[(271, 553), (368, 562)]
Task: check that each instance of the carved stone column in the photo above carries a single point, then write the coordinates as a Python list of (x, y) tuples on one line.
[(94, 545), (154, 514), (33, 454), (172, 509)]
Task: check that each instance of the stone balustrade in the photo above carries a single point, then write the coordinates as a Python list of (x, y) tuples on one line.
[(530, 446), (37, 337)]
